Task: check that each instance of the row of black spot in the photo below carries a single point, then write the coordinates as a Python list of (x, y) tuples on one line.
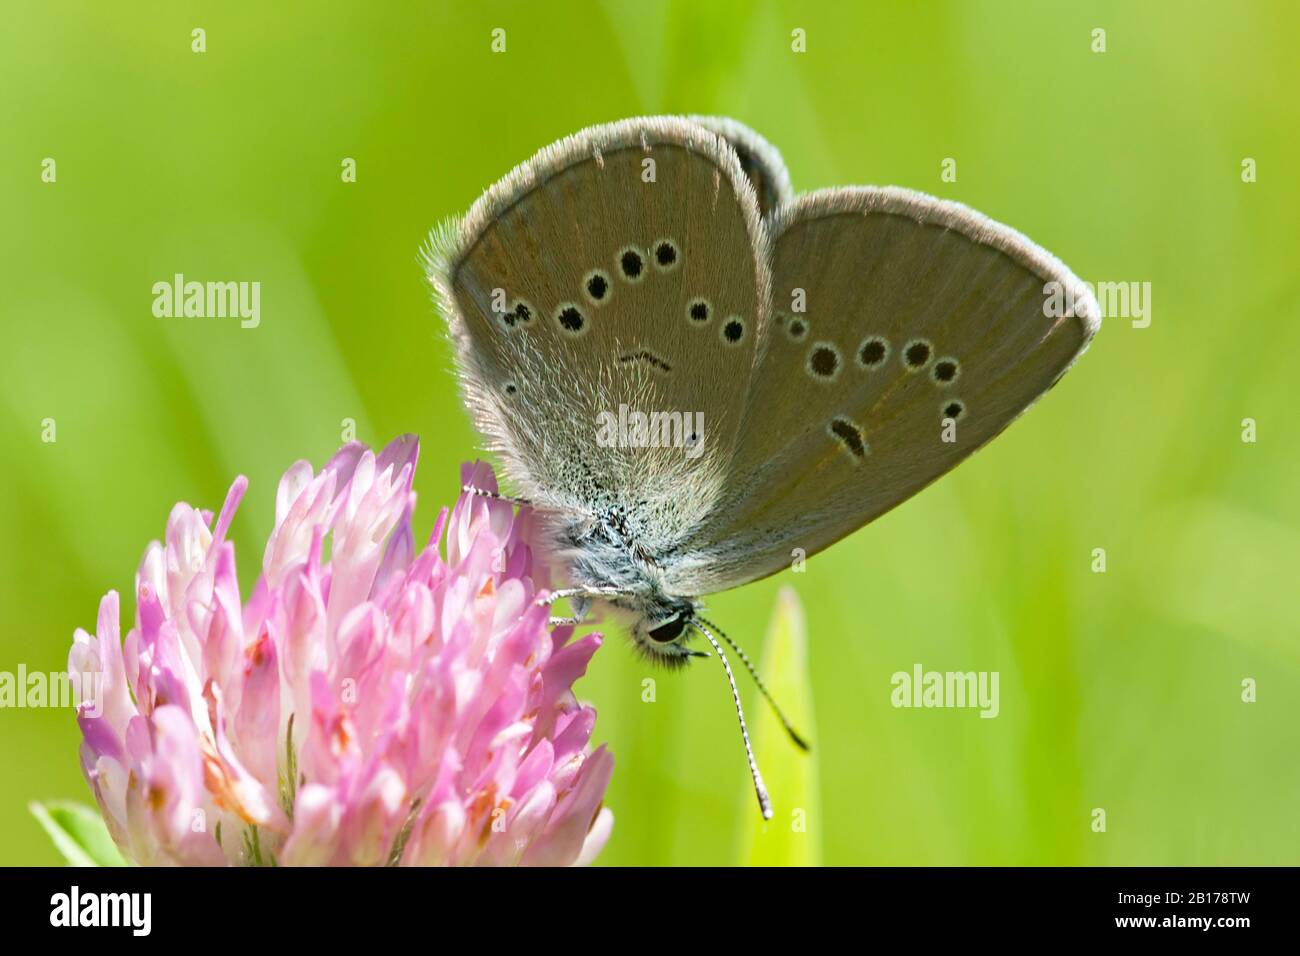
[(597, 286), (699, 311), (631, 265), (824, 357), (567, 315), (824, 363)]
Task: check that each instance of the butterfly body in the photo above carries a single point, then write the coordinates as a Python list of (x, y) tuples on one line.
[(696, 377), (826, 345), (615, 552)]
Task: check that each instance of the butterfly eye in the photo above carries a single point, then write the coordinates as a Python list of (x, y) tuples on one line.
[(668, 631)]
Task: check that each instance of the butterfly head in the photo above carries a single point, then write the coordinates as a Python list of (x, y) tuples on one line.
[(661, 629)]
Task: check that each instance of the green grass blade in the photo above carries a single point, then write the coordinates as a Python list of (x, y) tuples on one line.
[(78, 832), (793, 836)]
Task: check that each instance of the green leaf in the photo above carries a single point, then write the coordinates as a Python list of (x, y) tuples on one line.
[(78, 832), (793, 836)]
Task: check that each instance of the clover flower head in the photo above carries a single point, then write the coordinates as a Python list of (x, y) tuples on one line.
[(376, 706)]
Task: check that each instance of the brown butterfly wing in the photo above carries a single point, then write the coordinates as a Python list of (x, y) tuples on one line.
[(915, 311), (544, 353)]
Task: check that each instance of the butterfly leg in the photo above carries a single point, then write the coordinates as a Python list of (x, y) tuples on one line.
[(484, 493), (580, 608), (585, 594)]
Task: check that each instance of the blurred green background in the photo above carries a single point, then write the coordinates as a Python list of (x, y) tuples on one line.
[(1119, 690)]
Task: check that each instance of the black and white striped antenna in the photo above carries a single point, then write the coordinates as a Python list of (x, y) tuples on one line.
[(764, 803), (762, 688)]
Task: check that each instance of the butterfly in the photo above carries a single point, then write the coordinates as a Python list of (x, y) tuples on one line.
[(691, 373)]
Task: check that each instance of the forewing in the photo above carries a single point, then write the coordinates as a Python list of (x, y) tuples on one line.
[(620, 270)]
